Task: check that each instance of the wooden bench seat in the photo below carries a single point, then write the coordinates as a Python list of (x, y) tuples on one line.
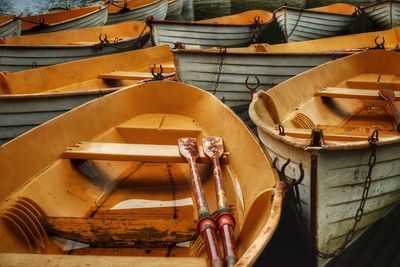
[(373, 80), (131, 152), (126, 75), (367, 94)]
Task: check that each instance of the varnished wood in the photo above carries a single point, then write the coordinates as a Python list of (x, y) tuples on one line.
[(130, 152), (352, 93), (121, 232)]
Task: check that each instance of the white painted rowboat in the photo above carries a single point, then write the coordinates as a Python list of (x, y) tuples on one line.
[(229, 31), (9, 26), (31, 97), (24, 52), (324, 121), (75, 18), (109, 173), (224, 73), (137, 10), (175, 7), (384, 14), (314, 23)]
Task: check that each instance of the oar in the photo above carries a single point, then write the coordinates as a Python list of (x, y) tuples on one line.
[(206, 224), (390, 98), (214, 148)]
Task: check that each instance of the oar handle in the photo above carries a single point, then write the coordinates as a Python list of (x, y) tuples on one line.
[(207, 228), (226, 225)]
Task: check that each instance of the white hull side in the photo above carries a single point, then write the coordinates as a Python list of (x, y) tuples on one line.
[(201, 70), (18, 115), (175, 8), (302, 25), (92, 20), (204, 36), (158, 10), (385, 15), (14, 58), (11, 28), (338, 188)]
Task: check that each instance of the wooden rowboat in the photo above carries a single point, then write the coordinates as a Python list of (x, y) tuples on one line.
[(384, 14), (9, 26), (229, 31), (306, 24), (137, 10), (113, 177), (175, 7), (321, 125), (76, 18), (224, 73), (31, 97), (24, 52)]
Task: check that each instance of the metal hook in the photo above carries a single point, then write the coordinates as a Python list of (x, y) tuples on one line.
[(374, 137), (178, 45), (254, 89), (157, 76), (34, 65), (257, 19), (290, 181), (380, 45), (281, 130)]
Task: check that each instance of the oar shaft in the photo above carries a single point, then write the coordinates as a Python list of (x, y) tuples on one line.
[(198, 190), (222, 203)]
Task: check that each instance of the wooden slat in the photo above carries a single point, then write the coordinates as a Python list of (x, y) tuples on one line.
[(131, 152), (25, 259), (110, 232), (352, 93), (306, 134), (126, 75)]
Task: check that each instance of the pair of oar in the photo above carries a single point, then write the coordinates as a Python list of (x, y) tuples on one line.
[(206, 225)]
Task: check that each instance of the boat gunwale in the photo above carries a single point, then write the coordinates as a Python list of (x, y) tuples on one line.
[(323, 53), (59, 94), (11, 18), (100, 8)]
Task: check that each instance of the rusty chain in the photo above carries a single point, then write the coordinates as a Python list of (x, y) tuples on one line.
[(360, 211), (221, 60)]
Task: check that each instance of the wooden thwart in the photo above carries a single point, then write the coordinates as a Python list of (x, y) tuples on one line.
[(109, 232), (131, 152), (126, 75), (344, 136), (352, 93)]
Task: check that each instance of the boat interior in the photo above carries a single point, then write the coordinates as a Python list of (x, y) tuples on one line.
[(338, 8), (118, 185), (54, 18), (81, 37), (348, 99), (117, 7), (110, 72), (245, 18), (5, 19)]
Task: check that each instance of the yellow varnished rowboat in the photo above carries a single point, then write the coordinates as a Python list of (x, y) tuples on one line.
[(306, 24), (321, 125), (228, 31), (31, 97), (24, 52), (110, 173), (9, 26), (69, 19)]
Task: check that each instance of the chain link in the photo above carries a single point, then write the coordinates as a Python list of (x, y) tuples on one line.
[(360, 211), (221, 60)]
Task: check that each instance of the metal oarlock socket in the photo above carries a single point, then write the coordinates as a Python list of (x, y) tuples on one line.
[(206, 224), (214, 148)]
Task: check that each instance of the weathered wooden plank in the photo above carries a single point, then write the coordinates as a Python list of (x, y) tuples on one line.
[(109, 232), (14, 259), (352, 93), (130, 152)]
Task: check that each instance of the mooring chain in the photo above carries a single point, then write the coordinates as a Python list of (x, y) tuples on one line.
[(221, 60), (373, 140), (295, 26)]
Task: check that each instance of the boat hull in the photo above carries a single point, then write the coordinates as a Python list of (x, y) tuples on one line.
[(203, 35), (301, 25), (18, 115), (175, 7), (16, 58), (202, 69), (385, 15), (10, 28), (331, 196), (93, 19), (157, 10)]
